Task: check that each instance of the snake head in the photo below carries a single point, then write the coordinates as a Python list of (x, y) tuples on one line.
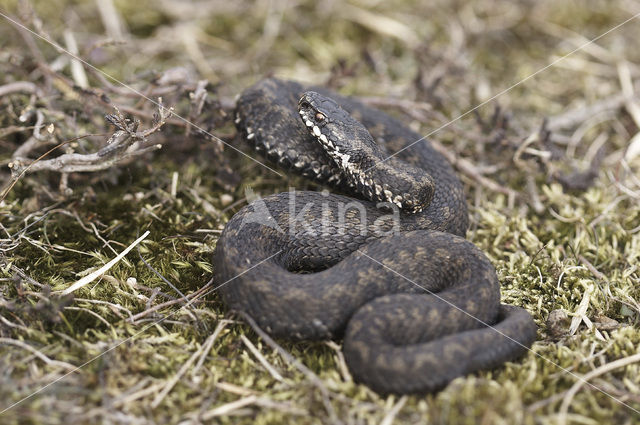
[(343, 137), (361, 159)]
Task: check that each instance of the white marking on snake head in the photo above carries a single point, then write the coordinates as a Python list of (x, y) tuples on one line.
[(323, 139), (308, 123), (345, 159), (250, 136), (316, 131)]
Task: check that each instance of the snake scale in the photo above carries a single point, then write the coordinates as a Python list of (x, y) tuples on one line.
[(385, 267)]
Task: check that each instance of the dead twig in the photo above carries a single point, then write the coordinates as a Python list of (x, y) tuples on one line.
[(566, 402), (263, 361), (37, 353), (191, 297), (470, 170), (315, 380), (579, 115), (20, 86), (125, 143)]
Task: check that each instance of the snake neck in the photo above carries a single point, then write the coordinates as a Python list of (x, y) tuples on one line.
[(367, 167), (412, 190)]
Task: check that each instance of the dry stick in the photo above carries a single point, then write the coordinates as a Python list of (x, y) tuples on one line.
[(158, 274), (342, 364), (597, 273), (125, 143), (209, 343), (9, 130), (534, 197), (115, 308), (139, 286), (315, 380), (632, 107), (466, 167), (23, 172), (263, 361), (157, 307), (74, 162), (23, 275), (77, 71), (20, 86), (37, 353), (198, 98), (158, 103), (389, 417), (201, 352), (96, 233), (13, 325), (564, 407), (137, 395), (96, 315), (233, 389), (92, 276), (173, 381), (579, 115), (226, 409), (229, 408), (111, 19)]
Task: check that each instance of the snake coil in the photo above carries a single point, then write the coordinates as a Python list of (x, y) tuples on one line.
[(390, 271)]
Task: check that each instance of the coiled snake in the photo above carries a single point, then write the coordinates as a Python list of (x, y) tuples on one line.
[(389, 271)]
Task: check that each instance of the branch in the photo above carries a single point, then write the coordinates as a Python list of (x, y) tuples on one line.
[(125, 143)]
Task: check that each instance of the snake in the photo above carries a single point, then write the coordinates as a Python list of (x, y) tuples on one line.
[(380, 261)]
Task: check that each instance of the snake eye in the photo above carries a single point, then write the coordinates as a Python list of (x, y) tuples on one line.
[(319, 116)]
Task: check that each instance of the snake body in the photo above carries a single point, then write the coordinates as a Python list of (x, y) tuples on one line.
[(387, 268)]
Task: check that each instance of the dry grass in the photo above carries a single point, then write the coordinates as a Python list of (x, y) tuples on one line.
[(550, 167)]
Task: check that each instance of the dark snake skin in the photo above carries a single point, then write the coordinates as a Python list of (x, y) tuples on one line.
[(411, 297)]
